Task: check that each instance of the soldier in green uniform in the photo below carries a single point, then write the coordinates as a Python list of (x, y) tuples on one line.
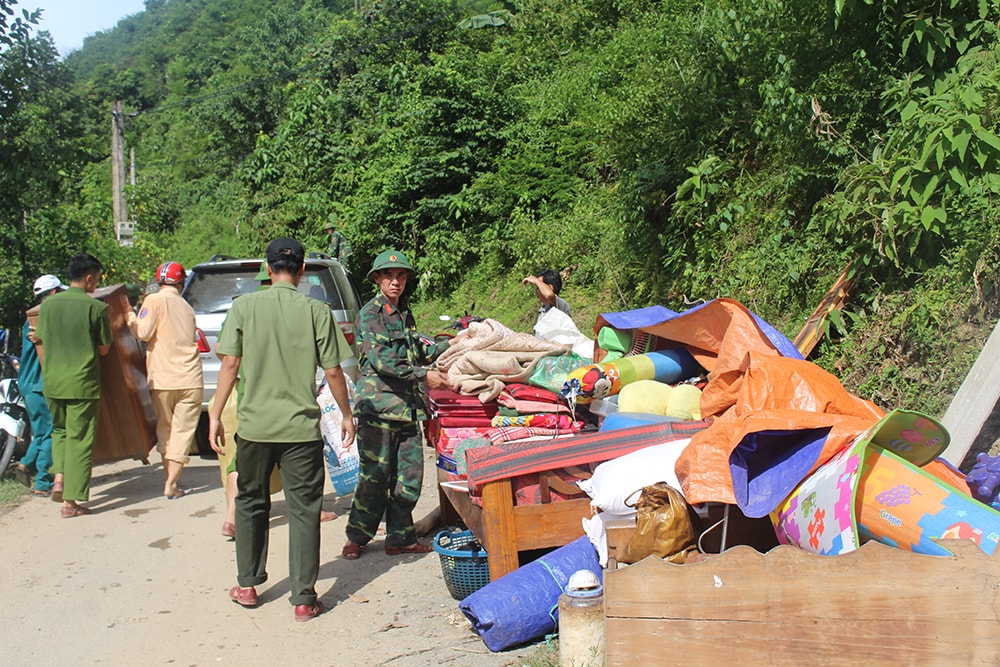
[(338, 248), (75, 331), (389, 404), (274, 339)]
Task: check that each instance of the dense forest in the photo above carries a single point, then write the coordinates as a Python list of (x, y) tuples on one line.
[(654, 152)]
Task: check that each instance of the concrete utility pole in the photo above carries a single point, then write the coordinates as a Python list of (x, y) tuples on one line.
[(124, 229)]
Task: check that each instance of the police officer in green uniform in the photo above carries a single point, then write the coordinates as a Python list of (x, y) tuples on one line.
[(274, 339), (389, 404), (75, 331)]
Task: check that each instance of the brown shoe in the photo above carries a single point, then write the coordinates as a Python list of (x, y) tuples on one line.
[(415, 548), (74, 511), (246, 597), (305, 612), (351, 551)]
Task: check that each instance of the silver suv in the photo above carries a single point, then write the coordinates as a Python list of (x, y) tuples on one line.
[(212, 286)]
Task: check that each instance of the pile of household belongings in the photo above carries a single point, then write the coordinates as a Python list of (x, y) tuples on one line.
[(782, 438), (491, 365)]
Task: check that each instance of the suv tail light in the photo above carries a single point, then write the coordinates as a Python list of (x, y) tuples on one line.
[(202, 341), (347, 328)]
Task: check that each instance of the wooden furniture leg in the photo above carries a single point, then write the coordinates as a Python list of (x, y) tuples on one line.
[(498, 525), (449, 515)]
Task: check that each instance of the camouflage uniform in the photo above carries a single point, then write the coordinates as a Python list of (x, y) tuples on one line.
[(389, 403), (339, 249)]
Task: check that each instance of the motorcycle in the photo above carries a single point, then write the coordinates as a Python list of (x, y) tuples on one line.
[(461, 324), (15, 429)]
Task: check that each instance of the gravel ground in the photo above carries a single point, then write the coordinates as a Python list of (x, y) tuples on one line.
[(144, 581)]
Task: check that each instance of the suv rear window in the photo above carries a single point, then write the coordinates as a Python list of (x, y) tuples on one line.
[(213, 290)]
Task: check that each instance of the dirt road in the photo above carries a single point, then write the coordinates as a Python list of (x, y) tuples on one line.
[(144, 581)]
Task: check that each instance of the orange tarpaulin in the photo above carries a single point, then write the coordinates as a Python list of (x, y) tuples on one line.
[(773, 394), (718, 335), (752, 389)]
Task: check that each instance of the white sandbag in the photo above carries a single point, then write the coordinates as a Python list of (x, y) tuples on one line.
[(331, 418), (556, 326), (342, 463), (619, 480)]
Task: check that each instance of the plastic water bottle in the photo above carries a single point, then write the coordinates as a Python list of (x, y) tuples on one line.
[(581, 621)]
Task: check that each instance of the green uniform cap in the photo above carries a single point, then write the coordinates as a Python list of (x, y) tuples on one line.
[(262, 274), (390, 259)]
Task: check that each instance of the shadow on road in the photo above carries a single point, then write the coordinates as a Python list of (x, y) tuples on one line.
[(142, 483)]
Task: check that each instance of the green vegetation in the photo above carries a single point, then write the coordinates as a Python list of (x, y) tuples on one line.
[(652, 151), (11, 492), (545, 654)]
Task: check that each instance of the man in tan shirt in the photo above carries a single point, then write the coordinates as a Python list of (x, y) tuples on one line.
[(173, 369)]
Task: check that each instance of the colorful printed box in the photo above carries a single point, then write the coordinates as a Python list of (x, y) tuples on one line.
[(875, 489), (902, 506)]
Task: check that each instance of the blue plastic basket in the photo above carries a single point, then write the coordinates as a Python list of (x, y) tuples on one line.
[(464, 563)]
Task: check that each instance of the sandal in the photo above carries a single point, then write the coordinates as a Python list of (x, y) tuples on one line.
[(179, 493), (41, 493), (57, 492), (325, 516), (415, 548), (75, 510), (351, 551)]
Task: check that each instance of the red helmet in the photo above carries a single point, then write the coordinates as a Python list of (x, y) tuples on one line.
[(170, 273)]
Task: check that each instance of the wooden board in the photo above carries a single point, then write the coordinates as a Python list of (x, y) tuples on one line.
[(126, 423), (812, 330), (505, 529), (975, 401), (877, 605)]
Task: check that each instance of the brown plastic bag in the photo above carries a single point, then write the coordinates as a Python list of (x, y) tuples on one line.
[(662, 526)]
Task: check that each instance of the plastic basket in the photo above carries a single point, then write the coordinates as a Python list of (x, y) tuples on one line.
[(463, 562)]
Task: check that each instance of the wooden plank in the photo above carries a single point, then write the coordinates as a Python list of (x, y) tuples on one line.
[(550, 524), (471, 515), (812, 330), (816, 642), (975, 401), (126, 426), (499, 534), (449, 515), (619, 533), (877, 605)]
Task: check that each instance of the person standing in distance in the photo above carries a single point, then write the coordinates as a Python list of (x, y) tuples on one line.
[(166, 323), (390, 405), (29, 380), (274, 339), (75, 332), (338, 248), (547, 284)]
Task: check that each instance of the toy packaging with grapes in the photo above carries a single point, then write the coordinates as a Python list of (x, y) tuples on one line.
[(877, 489)]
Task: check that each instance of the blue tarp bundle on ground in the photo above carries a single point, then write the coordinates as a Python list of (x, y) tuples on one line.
[(524, 604)]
